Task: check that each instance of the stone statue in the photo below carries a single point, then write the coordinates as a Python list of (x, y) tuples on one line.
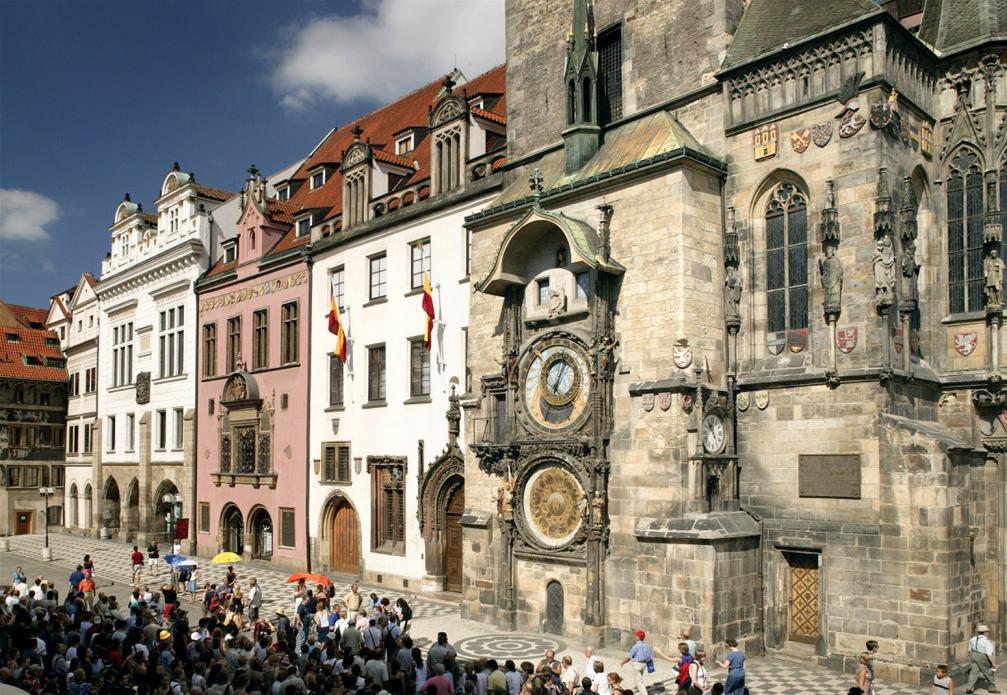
[(143, 388), (831, 269), (909, 270), (505, 500), (732, 294), (597, 508), (884, 267), (993, 271), (557, 303), (561, 257)]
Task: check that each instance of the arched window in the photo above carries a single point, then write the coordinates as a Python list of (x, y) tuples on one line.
[(73, 520), (571, 102), (787, 259), (965, 234), (587, 113)]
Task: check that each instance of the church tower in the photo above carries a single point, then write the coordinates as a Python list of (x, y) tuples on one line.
[(582, 134)]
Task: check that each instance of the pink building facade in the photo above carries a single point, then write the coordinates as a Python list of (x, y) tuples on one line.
[(251, 460)]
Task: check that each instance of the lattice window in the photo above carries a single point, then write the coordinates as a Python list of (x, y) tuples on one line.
[(264, 465), (965, 234), (387, 499), (225, 453), (244, 449), (336, 462), (787, 259), (610, 75)]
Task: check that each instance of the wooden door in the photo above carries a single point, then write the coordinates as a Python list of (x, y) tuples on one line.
[(345, 540), (453, 541), (23, 522), (803, 597), (554, 608)]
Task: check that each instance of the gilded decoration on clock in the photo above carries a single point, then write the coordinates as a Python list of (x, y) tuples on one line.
[(556, 383), (553, 506)]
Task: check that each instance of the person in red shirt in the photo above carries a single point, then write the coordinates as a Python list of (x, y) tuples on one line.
[(137, 560)]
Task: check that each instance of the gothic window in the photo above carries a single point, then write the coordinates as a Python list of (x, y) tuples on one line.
[(210, 349), (336, 462), (244, 449), (335, 382), (289, 333), (388, 520), (787, 259), (233, 343), (965, 234), (609, 76), (260, 339)]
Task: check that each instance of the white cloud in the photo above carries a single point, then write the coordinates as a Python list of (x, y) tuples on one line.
[(46, 265), (390, 49), (10, 261), (24, 215)]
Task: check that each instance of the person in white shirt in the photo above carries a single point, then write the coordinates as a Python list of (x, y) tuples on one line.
[(599, 681), (589, 659), (982, 656)]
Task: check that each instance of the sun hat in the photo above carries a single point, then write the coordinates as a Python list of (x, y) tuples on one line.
[(983, 628), (164, 634), (195, 636)]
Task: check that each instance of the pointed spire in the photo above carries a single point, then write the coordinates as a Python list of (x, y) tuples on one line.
[(582, 30), (176, 167), (830, 215), (884, 212), (907, 214), (582, 137)]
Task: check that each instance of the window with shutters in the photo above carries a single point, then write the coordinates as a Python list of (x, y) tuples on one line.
[(260, 339), (335, 382), (965, 233), (787, 259), (288, 333), (335, 462), (610, 75), (387, 513)]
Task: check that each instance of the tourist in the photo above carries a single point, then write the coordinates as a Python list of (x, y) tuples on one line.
[(439, 684), (353, 600), (514, 678), (568, 676), (192, 583), (589, 659), (642, 658), (697, 673), (599, 680), (230, 578), (685, 635), (685, 660), (615, 683), (18, 577), (236, 612), (735, 665), (982, 656), (136, 559), (170, 598), (873, 647), (322, 616), (87, 587), (351, 639), (865, 675), (254, 599), (942, 684), (549, 668), (152, 556), (405, 612), (74, 581), (87, 565), (437, 652)]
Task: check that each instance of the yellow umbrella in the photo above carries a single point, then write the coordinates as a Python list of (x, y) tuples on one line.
[(225, 558)]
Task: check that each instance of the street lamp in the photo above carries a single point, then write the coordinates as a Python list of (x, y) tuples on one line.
[(170, 500), (45, 493)]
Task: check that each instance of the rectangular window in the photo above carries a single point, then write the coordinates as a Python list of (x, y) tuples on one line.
[(543, 291), (335, 381), (31, 476), (233, 343), (71, 440), (210, 349), (419, 253), (13, 476), (58, 476), (122, 354), (387, 518), (283, 193), (468, 252), (289, 346), (171, 341), (376, 373), (204, 517), (260, 339), (403, 145), (419, 369), (87, 437), (75, 384), (338, 283), (336, 462), (378, 270), (91, 380), (178, 427), (610, 75), (111, 432), (231, 252), (287, 533), (130, 431), (318, 179), (304, 227), (161, 430), (583, 285)]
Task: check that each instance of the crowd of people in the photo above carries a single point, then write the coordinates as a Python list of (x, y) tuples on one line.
[(351, 644)]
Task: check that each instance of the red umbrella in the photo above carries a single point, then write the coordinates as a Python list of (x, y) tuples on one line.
[(309, 578)]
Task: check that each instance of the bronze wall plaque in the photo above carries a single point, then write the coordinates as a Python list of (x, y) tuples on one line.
[(829, 475)]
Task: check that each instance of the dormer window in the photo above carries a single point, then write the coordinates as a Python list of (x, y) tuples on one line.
[(283, 193), (13, 338), (230, 251), (404, 144), (304, 227), (318, 179)]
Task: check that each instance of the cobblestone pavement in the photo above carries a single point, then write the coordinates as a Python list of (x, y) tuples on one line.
[(766, 676)]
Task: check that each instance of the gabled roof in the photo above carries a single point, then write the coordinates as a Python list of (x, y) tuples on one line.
[(24, 338), (214, 193), (952, 25), (380, 126), (771, 24)]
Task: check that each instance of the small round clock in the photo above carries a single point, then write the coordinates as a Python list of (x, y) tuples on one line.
[(714, 433), (556, 383)]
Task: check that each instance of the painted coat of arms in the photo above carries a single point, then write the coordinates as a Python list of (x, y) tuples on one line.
[(965, 343), (797, 339), (743, 401), (898, 340), (800, 140), (775, 342), (846, 339), (821, 133), (647, 402), (851, 124), (681, 353), (764, 141), (664, 400)]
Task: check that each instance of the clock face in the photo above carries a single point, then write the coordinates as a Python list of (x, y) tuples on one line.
[(556, 384), (713, 434), (554, 505)]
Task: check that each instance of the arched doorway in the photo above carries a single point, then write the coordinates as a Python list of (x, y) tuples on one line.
[(453, 539), (72, 520), (232, 530), (261, 527), (110, 513), (344, 539), (554, 608), (133, 507), (167, 510), (87, 506)]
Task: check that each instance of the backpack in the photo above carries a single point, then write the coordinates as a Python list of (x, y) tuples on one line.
[(214, 602), (684, 680)]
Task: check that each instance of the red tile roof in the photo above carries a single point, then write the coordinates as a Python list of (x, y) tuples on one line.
[(380, 126), (392, 158), (214, 193), (149, 217), (62, 307), (26, 325), (490, 116), (282, 212), (91, 279)]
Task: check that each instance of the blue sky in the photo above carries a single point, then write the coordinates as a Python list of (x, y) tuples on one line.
[(100, 98)]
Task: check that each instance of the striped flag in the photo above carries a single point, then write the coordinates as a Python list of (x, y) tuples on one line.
[(428, 309), (336, 328)]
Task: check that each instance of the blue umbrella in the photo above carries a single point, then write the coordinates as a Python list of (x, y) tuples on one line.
[(183, 564), (173, 559)]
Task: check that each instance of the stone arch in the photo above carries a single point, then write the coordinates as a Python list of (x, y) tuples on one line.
[(72, 519), (163, 514), (442, 490), (132, 509), (260, 534), (88, 505), (231, 529), (111, 513), (336, 504), (554, 606), (966, 145)]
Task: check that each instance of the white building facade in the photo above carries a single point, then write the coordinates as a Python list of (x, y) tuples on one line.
[(142, 467)]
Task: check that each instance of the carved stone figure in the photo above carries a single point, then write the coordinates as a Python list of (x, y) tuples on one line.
[(909, 270), (143, 388), (597, 508), (557, 303), (993, 271), (831, 269), (884, 267), (236, 390), (732, 294), (505, 500), (561, 257)]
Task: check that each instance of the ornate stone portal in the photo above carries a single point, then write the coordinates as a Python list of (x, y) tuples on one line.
[(245, 427)]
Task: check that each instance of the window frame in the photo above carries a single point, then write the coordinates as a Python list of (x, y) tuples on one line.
[(260, 339), (789, 204), (130, 432), (966, 203), (419, 374), (337, 283), (337, 477), (388, 527), (233, 343), (160, 432), (110, 439), (377, 393), (337, 385), (419, 264), (302, 230), (316, 173), (290, 326), (283, 512), (210, 349), (382, 276), (178, 428), (171, 342), (122, 354), (204, 516)]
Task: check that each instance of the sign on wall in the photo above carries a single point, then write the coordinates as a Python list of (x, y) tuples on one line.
[(834, 476)]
